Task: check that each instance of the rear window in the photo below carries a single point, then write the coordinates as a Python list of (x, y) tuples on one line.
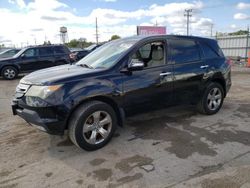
[(208, 51), (184, 51), (60, 50)]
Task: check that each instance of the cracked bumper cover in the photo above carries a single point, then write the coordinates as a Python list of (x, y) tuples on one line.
[(33, 117)]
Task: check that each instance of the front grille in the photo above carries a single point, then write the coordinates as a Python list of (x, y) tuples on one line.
[(21, 89)]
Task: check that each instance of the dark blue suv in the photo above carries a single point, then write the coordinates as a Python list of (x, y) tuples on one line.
[(90, 98), (34, 58)]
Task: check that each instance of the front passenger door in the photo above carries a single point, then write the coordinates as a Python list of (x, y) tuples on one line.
[(28, 60), (151, 87)]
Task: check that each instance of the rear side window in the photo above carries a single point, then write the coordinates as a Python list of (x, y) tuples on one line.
[(45, 51), (184, 51), (208, 51), (60, 50)]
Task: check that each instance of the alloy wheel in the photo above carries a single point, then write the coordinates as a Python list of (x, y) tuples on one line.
[(214, 99), (9, 73), (97, 127)]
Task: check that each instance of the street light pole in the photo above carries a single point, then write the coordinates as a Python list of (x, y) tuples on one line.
[(188, 15), (211, 31), (96, 30)]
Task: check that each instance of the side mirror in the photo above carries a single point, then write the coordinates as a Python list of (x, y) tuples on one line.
[(135, 65)]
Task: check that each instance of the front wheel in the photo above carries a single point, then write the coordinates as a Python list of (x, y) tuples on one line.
[(212, 99), (92, 125), (9, 73)]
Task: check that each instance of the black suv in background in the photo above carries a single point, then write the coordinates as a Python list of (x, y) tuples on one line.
[(90, 98), (9, 53), (34, 58), (81, 53)]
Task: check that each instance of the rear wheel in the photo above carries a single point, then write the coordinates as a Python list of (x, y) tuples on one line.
[(92, 125), (9, 73), (212, 99)]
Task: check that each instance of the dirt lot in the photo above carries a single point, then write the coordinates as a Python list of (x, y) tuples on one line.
[(169, 148)]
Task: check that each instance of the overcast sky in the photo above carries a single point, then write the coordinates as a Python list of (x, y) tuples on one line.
[(30, 21)]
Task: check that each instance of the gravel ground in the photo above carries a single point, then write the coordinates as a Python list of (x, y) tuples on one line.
[(176, 147)]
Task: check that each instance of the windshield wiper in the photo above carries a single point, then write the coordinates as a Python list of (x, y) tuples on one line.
[(85, 65), (100, 67)]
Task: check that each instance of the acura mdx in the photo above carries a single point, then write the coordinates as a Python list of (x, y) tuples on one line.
[(92, 97)]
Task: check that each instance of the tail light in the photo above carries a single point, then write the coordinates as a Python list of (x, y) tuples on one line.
[(71, 56), (229, 61)]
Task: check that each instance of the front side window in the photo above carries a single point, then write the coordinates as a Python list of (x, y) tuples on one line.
[(30, 52), (184, 51), (151, 54), (145, 51)]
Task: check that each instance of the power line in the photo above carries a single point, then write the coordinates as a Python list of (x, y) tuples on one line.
[(188, 15)]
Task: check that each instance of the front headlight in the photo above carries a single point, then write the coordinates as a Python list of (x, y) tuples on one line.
[(42, 96), (42, 91)]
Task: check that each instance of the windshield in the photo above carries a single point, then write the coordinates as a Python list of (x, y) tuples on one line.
[(2, 52), (3, 49), (20, 52), (108, 54)]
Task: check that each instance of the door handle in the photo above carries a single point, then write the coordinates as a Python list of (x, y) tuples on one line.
[(165, 73), (204, 66)]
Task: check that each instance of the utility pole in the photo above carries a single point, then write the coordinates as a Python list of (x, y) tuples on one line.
[(211, 30), (188, 15), (45, 39), (96, 31), (156, 23)]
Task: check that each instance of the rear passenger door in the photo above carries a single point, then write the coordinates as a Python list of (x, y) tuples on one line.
[(210, 56), (61, 55), (189, 70), (46, 57)]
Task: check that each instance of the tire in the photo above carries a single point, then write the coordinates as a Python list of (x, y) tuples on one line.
[(212, 99), (9, 73), (85, 128)]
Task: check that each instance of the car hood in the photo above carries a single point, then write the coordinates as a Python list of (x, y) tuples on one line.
[(4, 59), (56, 75)]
